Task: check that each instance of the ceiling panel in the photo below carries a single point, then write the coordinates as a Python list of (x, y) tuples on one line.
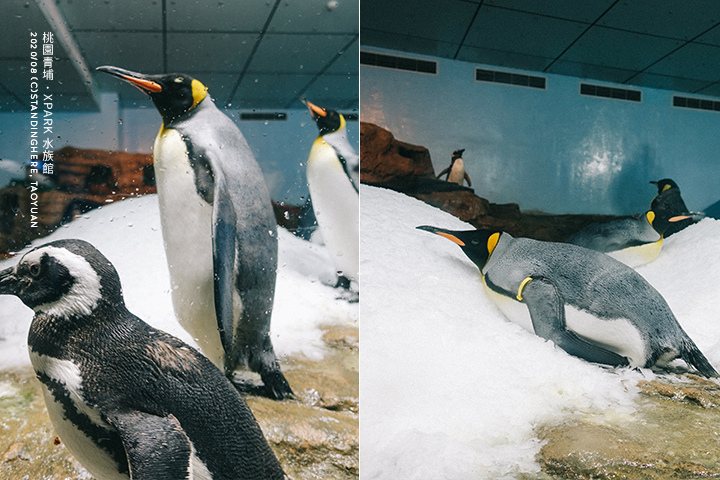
[(678, 19), (217, 41), (586, 11), (314, 16), (619, 49), (531, 34), (660, 44)]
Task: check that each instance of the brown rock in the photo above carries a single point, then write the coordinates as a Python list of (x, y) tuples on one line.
[(385, 159)]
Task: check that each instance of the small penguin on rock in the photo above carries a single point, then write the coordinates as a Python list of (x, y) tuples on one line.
[(218, 226), (129, 401), (333, 194), (633, 241), (585, 302), (456, 171), (668, 203)]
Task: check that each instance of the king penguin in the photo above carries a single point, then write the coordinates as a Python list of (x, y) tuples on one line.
[(332, 127), (456, 171), (633, 241), (129, 401), (218, 226), (668, 202), (334, 196), (585, 302)]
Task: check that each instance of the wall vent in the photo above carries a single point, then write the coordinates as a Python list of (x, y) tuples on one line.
[(263, 116), (351, 117), (393, 62), (604, 91), (696, 103), (509, 78)]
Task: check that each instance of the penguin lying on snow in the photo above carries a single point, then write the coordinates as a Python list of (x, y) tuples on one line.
[(669, 203), (456, 171), (218, 226), (128, 401), (632, 241), (587, 303), (334, 198)]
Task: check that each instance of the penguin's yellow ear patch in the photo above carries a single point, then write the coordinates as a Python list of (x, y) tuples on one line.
[(452, 238), (666, 187), (199, 92), (650, 217), (492, 242)]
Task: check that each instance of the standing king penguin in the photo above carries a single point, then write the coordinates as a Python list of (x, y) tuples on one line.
[(633, 241), (334, 194), (218, 226), (456, 171), (128, 401), (585, 302)]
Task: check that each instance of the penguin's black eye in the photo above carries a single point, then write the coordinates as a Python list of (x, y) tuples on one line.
[(178, 79), (34, 269)]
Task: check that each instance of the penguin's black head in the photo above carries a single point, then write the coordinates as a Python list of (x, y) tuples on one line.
[(64, 278), (478, 245), (661, 220), (173, 94), (664, 184), (458, 153), (327, 120)]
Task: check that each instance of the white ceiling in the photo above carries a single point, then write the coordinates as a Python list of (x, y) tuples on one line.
[(251, 54)]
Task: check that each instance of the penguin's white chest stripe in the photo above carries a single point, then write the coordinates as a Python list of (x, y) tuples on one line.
[(68, 374), (96, 460)]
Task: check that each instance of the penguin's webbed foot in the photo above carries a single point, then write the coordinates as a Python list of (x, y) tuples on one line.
[(276, 386)]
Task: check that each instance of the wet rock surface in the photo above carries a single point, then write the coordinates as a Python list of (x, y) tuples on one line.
[(315, 435), (673, 434)]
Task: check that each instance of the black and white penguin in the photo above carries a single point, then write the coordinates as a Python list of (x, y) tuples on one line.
[(218, 226), (633, 241), (587, 303), (333, 128), (456, 171), (128, 401), (334, 197), (669, 203)]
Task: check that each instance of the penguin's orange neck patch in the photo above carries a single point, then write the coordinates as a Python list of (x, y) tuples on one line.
[(492, 242)]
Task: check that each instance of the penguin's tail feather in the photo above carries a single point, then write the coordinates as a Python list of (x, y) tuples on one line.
[(694, 357)]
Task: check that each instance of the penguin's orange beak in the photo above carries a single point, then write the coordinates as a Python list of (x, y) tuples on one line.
[(133, 78), (315, 111), (442, 233)]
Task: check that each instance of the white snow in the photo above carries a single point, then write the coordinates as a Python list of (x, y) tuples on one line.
[(129, 234), (449, 387)]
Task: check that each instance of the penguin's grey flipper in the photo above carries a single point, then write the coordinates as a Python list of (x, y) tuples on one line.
[(223, 239), (547, 313), (447, 170), (156, 447), (467, 179)]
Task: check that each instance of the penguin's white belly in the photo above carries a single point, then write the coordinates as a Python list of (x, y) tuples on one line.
[(619, 335), (94, 459), (336, 206), (186, 221), (457, 172), (638, 255)]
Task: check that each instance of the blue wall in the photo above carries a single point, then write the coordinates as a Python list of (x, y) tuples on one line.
[(551, 150), (281, 147)]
